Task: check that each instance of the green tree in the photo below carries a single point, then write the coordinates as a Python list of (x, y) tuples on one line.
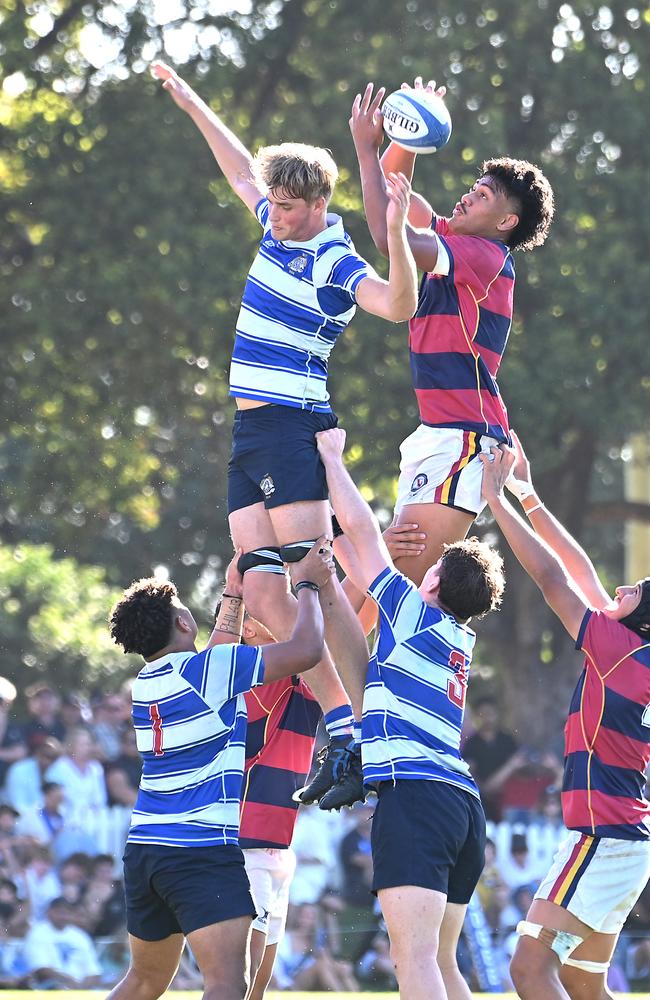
[(123, 256)]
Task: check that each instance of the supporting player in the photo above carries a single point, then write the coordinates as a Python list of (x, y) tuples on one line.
[(428, 831), (282, 722), (301, 292), (184, 873), (460, 329), (572, 927)]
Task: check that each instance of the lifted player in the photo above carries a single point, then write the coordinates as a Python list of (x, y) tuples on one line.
[(301, 293), (460, 330)]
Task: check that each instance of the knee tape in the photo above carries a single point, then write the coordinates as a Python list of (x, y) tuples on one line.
[(560, 942), (261, 561), (595, 967), (296, 550)]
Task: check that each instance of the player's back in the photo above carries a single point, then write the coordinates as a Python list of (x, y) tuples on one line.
[(607, 746), (415, 689), (282, 722), (190, 721)]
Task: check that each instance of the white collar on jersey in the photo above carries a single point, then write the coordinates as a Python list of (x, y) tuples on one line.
[(334, 231)]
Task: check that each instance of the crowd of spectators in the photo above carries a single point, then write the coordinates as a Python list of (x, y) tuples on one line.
[(62, 914)]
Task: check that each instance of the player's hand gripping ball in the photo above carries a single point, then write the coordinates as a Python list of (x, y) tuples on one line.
[(417, 120)]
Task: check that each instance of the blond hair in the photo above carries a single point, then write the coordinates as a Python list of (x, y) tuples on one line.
[(300, 171)]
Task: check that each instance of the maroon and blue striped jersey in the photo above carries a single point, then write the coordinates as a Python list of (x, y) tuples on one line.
[(459, 334), (282, 721), (607, 734)]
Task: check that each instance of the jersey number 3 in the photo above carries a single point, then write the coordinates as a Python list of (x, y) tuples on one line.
[(457, 685), (157, 726)]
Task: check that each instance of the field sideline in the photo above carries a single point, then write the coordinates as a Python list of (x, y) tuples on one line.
[(195, 995)]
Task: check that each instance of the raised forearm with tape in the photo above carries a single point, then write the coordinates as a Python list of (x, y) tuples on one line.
[(230, 615)]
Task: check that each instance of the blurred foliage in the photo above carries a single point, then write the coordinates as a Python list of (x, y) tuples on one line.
[(53, 620), (123, 254)]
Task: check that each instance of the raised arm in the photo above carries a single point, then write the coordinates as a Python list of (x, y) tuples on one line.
[(231, 155), (397, 158), (397, 298), (574, 558), (367, 133), (536, 557), (367, 551)]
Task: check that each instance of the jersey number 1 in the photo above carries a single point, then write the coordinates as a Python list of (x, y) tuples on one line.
[(157, 726), (457, 685)]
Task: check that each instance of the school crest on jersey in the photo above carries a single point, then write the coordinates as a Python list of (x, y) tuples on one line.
[(298, 264), (267, 485), (420, 480)]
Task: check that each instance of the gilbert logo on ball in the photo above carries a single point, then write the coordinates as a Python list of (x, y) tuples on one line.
[(416, 120)]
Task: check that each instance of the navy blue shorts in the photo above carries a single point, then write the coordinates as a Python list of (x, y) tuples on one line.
[(430, 834), (177, 890), (274, 458)]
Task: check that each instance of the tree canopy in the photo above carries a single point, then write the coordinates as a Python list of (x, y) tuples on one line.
[(123, 254)]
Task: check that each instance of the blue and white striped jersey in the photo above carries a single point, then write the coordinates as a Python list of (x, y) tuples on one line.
[(297, 299), (414, 700), (190, 722)]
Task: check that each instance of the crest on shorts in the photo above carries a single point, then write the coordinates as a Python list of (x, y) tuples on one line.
[(267, 485), (298, 264), (420, 480)]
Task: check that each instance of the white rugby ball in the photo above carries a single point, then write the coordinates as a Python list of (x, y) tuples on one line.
[(416, 120)]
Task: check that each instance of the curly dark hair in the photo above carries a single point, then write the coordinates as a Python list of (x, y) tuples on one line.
[(141, 621), (471, 579), (526, 184)]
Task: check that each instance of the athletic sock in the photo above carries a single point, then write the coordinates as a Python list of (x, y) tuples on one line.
[(339, 722)]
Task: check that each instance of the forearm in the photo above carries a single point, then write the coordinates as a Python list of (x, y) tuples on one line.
[(396, 159), (573, 557), (535, 556), (231, 155), (375, 199), (402, 289), (229, 623)]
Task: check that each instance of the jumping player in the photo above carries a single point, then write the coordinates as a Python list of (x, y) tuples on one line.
[(301, 293), (428, 831), (460, 330), (569, 934), (184, 872)]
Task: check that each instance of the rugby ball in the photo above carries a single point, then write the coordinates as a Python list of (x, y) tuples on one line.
[(416, 120)]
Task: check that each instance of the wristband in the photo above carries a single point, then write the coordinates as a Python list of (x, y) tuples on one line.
[(306, 584), (537, 506), (520, 488)]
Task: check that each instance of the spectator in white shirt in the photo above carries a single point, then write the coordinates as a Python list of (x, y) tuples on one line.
[(81, 774), (60, 955), (24, 783), (41, 881)]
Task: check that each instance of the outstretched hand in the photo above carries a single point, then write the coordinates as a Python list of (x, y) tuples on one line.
[(181, 91), (366, 120), (404, 540), (496, 469), (428, 88)]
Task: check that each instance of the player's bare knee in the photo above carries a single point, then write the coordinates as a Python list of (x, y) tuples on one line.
[(146, 984), (530, 966)]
